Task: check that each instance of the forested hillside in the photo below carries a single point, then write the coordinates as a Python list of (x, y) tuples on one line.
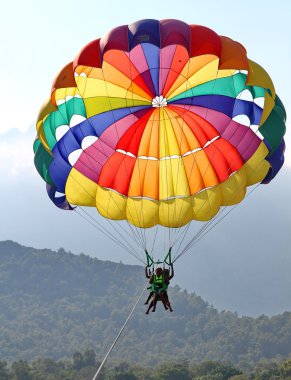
[(83, 366), (54, 303)]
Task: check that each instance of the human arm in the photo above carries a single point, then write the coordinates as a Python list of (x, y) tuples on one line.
[(172, 272), (147, 272)]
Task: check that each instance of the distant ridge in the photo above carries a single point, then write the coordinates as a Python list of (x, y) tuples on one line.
[(54, 303)]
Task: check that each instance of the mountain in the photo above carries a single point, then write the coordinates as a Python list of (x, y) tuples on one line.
[(54, 303)]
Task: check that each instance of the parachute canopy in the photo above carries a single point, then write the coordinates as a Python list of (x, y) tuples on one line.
[(159, 122)]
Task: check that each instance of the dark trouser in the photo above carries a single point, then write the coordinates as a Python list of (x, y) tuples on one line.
[(156, 296)]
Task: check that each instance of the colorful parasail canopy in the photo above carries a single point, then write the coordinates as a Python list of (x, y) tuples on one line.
[(159, 122)]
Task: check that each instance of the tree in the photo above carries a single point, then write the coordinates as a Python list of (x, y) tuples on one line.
[(89, 358), (122, 371), (173, 371), (46, 369), (276, 371), (78, 361), (21, 371), (4, 374), (209, 370)]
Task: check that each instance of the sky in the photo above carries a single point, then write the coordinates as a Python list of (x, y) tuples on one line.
[(38, 38)]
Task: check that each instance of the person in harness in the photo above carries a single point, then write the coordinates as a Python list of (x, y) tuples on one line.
[(159, 284)]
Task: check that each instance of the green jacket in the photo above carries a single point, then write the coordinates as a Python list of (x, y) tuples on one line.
[(158, 283)]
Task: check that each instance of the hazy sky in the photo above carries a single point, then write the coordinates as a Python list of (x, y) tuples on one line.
[(38, 38)]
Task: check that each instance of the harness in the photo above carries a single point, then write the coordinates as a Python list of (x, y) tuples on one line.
[(159, 283)]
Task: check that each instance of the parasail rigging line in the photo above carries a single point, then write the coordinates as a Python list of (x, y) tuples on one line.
[(116, 230), (119, 333), (207, 227), (204, 231), (155, 238), (124, 241), (108, 234)]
